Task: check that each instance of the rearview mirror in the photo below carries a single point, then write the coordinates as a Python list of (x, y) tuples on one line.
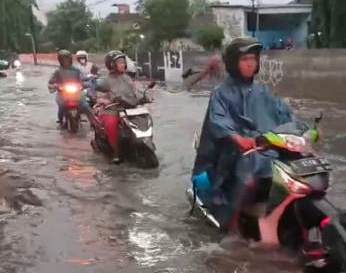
[(318, 119)]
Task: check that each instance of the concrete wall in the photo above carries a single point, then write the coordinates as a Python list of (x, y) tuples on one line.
[(297, 73), (312, 74)]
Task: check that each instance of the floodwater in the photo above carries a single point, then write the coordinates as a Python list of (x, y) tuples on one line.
[(64, 208)]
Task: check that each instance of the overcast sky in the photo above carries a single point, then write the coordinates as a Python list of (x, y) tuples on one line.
[(102, 7)]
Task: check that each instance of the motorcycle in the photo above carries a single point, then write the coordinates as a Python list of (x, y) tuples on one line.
[(71, 94), (297, 214), (5, 65), (136, 134)]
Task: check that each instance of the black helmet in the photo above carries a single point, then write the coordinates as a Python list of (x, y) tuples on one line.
[(235, 49), (111, 57), (62, 54)]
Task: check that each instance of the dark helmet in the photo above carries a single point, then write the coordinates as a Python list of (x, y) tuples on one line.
[(235, 49), (111, 57), (64, 54)]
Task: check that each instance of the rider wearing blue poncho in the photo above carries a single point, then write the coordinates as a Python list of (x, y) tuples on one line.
[(226, 134)]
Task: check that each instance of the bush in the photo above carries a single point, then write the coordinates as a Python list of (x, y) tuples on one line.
[(210, 37)]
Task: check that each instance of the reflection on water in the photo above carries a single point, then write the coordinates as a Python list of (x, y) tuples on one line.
[(81, 174), (19, 79), (153, 245)]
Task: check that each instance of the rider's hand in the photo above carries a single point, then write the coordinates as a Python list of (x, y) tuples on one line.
[(52, 88), (244, 143)]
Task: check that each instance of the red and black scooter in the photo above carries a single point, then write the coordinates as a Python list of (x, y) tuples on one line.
[(71, 93), (297, 214), (136, 132)]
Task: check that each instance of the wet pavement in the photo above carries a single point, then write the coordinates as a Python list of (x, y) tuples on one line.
[(64, 208)]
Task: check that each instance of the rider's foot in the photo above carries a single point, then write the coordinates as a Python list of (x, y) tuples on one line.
[(63, 125), (94, 145), (116, 160)]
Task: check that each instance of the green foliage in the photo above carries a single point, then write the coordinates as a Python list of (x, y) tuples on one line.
[(106, 33), (71, 26), (167, 19), (70, 23), (329, 23), (198, 7), (114, 36), (210, 37), (15, 20)]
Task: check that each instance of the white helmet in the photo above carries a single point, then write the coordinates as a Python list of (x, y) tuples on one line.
[(82, 54)]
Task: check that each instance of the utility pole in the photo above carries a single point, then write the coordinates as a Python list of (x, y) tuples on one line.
[(253, 16), (33, 46), (97, 30), (33, 34)]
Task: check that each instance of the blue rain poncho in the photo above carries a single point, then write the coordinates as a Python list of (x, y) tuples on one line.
[(231, 105)]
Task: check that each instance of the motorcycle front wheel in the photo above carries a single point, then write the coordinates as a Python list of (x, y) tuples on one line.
[(73, 122), (291, 235), (146, 157)]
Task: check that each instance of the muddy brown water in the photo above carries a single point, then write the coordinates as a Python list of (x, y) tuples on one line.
[(64, 208)]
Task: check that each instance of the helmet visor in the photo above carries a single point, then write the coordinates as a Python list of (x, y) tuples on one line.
[(251, 48)]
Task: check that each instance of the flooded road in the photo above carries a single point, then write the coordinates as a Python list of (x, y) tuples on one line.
[(63, 208)]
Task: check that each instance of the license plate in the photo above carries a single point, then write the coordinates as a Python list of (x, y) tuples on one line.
[(307, 166), (73, 113)]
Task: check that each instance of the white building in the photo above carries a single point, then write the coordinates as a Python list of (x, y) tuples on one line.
[(270, 23)]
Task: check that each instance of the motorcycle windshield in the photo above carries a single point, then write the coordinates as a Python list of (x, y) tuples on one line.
[(291, 128)]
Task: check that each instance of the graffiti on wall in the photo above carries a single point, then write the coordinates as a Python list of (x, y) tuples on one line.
[(173, 59), (271, 71), (173, 65)]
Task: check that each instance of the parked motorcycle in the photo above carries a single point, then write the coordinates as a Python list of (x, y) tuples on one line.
[(297, 214), (136, 134)]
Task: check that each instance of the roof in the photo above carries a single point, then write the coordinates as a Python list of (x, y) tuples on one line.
[(270, 8), (262, 6)]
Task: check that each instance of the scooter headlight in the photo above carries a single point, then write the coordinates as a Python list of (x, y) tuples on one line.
[(71, 88), (17, 64)]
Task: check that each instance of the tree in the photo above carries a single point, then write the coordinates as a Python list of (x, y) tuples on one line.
[(210, 37), (198, 7), (168, 19), (329, 23), (16, 18), (70, 23)]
